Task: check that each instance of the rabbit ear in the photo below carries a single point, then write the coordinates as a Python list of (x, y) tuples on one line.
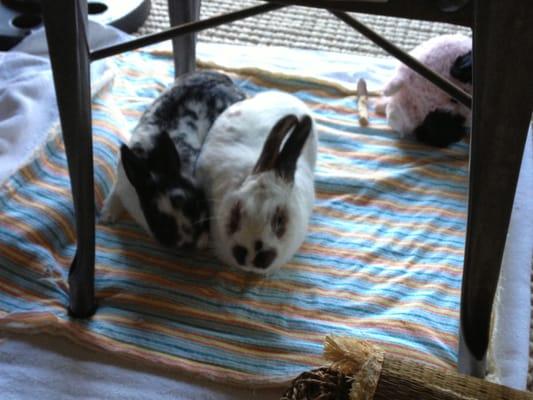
[(285, 165), (269, 154), (164, 157), (135, 167)]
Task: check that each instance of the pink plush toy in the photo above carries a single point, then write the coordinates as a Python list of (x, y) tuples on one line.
[(414, 106)]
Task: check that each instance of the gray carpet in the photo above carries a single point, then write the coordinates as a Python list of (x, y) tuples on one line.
[(309, 28), (302, 27)]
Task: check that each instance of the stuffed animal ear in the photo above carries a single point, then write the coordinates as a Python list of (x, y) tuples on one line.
[(462, 68), (285, 165), (164, 158), (135, 167), (269, 154)]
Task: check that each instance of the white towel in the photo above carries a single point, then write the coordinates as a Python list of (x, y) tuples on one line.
[(28, 106)]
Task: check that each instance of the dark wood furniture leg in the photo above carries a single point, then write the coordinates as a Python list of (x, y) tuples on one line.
[(184, 47), (502, 106), (66, 32)]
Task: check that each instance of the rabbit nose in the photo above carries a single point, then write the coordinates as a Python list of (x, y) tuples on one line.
[(264, 258), (240, 253)]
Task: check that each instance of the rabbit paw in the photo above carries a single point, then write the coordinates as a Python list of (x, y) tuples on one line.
[(111, 210)]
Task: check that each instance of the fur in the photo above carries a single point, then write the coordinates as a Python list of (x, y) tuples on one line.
[(156, 180), (260, 204)]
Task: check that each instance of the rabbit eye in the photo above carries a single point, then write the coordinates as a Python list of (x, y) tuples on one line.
[(235, 218), (138, 150), (177, 198), (279, 222)]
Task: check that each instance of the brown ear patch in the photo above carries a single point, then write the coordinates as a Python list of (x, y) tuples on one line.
[(279, 222), (235, 218)]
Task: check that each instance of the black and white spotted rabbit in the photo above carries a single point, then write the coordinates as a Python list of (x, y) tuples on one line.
[(156, 180)]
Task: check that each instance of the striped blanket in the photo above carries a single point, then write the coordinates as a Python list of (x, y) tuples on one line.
[(382, 260)]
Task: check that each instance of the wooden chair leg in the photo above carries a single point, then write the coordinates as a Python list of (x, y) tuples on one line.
[(66, 32), (502, 106), (184, 47)]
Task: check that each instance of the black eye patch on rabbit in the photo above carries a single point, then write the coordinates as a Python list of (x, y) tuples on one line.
[(156, 180)]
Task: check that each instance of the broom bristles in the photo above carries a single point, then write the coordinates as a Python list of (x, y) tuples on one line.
[(357, 359)]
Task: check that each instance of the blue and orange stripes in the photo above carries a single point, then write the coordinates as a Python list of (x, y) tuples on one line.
[(382, 260)]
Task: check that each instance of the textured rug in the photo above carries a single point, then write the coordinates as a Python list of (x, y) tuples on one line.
[(303, 27), (382, 260)]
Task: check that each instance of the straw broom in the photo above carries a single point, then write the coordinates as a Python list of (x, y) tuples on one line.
[(363, 371)]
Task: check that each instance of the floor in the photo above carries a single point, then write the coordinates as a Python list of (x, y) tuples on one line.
[(309, 28), (285, 27)]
